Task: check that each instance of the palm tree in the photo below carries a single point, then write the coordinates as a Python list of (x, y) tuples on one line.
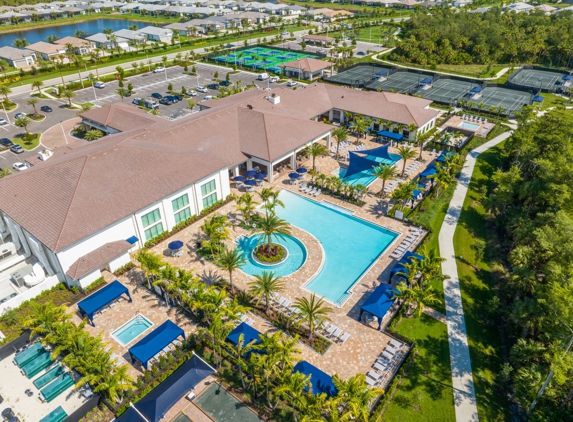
[(215, 229), (271, 227), (355, 396), (33, 101), (339, 134), (69, 94), (84, 107), (415, 295), (230, 260), (150, 263), (238, 354), (443, 178), (292, 387), (316, 150), (430, 266), (23, 122), (246, 205), (45, 317), (312, 312), (286, 350), (38, 85), (406, 153), (5, 91), (93, 135), (359, 126), (122, 93), (115, 382), (94, 58), (404, 192), (265, 286), (5, 172), (384, 172)]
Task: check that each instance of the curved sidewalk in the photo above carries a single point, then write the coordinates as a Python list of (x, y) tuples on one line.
[(462, 379)]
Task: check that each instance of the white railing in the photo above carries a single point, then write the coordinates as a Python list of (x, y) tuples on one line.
[(31, 293)]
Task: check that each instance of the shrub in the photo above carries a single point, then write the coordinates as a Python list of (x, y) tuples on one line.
[(94, 286), (124, 268)]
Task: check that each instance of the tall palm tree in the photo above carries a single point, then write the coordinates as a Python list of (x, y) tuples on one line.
[(33, 101), (316, 150), (69, 94), (313, 312), (239, 352), (271, 227), (403, 192), (430, 266), (230, 260), (38, 85), (246, 205), (93, 135), (359, 126), (5, 91), (265, 286), (23, 122), (384, 172), (443, 178), (286, 350), (339, 134), (44, 317), (292, 387), (406, 153), (95, 58), (150, 263)]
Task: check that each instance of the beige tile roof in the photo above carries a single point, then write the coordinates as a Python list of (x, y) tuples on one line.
[(76, 42), (122, 117), (46, 48), (317, 38), (308, 64), (96, 258)]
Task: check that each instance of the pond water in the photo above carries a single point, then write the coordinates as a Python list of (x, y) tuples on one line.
[(89, 27)]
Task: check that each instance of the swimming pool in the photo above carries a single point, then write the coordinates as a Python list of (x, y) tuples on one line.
[(351, 245), (468, 126), (222, 406), (365, 177), (296, 256), (131, 329)]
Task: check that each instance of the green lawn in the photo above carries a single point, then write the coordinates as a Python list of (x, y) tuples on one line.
[(425, 394), (476, 286), (35, 141)]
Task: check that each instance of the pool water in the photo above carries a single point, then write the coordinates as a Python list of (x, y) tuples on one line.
[(351, 245), (468, 126), (296, 256), (253, 57), (365, 177), (131, 329)]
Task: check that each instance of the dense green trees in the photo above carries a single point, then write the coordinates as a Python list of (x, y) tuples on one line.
[(457, 37), (532, 209)]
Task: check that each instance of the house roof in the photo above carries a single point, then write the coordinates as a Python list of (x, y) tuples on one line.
[(46, 48), (546, 8), (317, 38), (154, 30), (96, 258), (334, 13), (12, 53), (308, 64), (76, 42), (122, 118)]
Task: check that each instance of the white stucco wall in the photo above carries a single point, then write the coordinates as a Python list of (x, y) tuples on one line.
[(88, 279), (118, 262)]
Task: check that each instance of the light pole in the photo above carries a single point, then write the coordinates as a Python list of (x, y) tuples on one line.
[(165, 71), (148, 63), (7, 117), (91, 78)]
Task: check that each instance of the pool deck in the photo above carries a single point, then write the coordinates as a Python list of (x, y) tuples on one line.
[(482, 129)]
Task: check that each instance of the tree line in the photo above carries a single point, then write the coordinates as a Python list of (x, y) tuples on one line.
[(457, 37), (532, 211)]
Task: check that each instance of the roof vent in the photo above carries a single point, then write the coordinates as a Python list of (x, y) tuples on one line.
[(45, 154), (249, 106), (275, 99)]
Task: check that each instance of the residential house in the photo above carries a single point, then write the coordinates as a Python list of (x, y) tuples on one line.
[(79, 45), (105, 42), (47, 51), (154, 33), (17, 57)]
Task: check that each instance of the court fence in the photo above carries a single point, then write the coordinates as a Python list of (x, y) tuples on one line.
[(511, 79)]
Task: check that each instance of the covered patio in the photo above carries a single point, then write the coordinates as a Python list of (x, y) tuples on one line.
[(151, 346), (98, 301), (320, 381), (379, 303)]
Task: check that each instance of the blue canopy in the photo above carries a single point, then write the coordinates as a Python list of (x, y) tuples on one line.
[(239, 178), (320, 381), (429, 171), (154, 342), (391, 135), (537, 99), (250, 182), (566, 77), (426, 81), (444, 155), (379, 302), (248, 332), (250, 173), (301, 170), (132, 240), (382, 73), (93, 303), (175, 245), (406, 259), (475, 89), (366, 159), (416, 193), (130, 415), (156, 404)]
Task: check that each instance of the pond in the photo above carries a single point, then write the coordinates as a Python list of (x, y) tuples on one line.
[(69, 30)]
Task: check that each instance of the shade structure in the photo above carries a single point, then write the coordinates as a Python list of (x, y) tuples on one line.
[(301, 170), (175, 245), (250, 182), (379, 302), (250, 173), (566, 77), (132, 240), (426, 81), (239, 178), (537, 99), (416, 193), (131, 415), (475, 89), (406, 259), (294, 175), (93, 303), (444, 155), (382, 73), (260, 176), (320, 381), (154, 342), (366, 159), (391, 135), (248, 332), (429, 171), (156, 404)]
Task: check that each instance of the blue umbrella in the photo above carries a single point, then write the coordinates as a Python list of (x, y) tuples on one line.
[(250, 173), (250, 182), (301, 170), (239, 178), (175, 245), (260, 176), (294, 175)]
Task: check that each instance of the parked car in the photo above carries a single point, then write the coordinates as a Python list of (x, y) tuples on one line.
[(17, 149), (19, 115), (273, 79), (201, 89), (213, 86), (6, 142), (173, 98), (225, 83), (136, 101), (19, 166), (284, 33), (47, 109), (3, 122), (165, 101), (99, 85), (150, 104), (157, 95), (158, 69), (192, 93), (292, 83), (263, 77), (361, 53)]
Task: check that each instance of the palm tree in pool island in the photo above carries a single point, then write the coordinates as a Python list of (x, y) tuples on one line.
[(271, 227), (230, 260)]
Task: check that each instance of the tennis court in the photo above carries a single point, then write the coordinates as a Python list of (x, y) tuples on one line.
[(399, 81), (509, 99), (538, 79), (447, 90), (261, 58), (358, 74)]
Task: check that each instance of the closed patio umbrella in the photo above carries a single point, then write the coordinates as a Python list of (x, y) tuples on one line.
[(260, 176), (301, 170), (239, 178), (175, 245), (250, 182), (294, 175)]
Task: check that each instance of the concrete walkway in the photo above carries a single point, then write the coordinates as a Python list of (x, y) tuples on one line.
[(463, 384)]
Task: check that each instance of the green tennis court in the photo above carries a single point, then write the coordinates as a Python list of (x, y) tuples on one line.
[(400, 81), (263, 58), (361, 74), (508, 99), (447, 90), (538, 79), (222, 406)]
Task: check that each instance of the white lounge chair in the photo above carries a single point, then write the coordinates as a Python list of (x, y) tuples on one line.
[(337, 332), (281, 301), (250, 322), (371, 382), (391, 350), (395, 255), (318, 192), (286, 304), (331, 330), (383, 362), (374, 375), (379, 367), (344, 337), (387, 355), (395, 343)]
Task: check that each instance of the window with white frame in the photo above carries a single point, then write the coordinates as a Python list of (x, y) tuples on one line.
[(181, 208), (152, 224), (209, 193)]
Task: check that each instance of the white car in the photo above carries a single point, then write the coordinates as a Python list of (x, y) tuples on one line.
[(292, 83), (99, 84), (20, 166), (202, 89), (3, 122), (192, 93), (273, 79), (158, 69), (284, 33)]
